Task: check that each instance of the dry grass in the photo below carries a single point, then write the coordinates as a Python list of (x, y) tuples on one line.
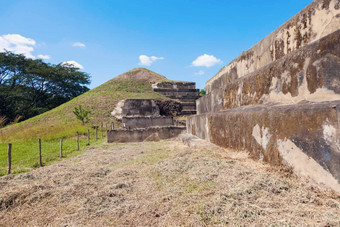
[(163, 184)]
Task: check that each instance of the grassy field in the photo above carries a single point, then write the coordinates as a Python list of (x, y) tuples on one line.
[(25, 153), (61, 122)]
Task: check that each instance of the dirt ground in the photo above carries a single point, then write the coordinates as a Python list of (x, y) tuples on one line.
[(163, 183)]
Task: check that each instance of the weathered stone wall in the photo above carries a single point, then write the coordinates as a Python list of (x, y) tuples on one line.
[(146, 121), (311, 73), (305, 136), (139, 135), (211, 102), (140, 107), (320, 18), (281, 99)]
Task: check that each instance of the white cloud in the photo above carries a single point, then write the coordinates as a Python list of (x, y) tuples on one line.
[(206, 60), (78, 44), (17, 44), (145, 60), (72, 64), (44, 56), (199, 73)]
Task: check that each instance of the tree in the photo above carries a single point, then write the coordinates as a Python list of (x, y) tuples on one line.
[(202, 92), (81, 114), (30, 87)]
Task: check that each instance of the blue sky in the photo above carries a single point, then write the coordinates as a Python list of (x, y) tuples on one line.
[(107, 38)]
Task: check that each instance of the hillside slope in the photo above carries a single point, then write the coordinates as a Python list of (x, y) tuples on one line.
[(61, 122), (135, 84)]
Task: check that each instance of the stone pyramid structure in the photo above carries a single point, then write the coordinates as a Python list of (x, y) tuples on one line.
[(280, 100), (184, 92)]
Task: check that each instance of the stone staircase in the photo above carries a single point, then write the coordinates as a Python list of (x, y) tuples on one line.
[(280, 100), (184, 92)]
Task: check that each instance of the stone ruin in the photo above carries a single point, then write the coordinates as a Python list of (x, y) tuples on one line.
[(142, 120), (184, 92), (148, 119), (280, 100)]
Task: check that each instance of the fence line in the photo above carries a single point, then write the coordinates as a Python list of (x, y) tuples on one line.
[(40, 150)]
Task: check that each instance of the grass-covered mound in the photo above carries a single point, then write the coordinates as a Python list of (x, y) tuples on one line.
[(62, 123)]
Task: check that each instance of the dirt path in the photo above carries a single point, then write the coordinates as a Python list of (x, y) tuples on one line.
[(163, 184)]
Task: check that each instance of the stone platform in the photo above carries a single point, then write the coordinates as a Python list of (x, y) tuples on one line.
[(146, 121), (144, 134)]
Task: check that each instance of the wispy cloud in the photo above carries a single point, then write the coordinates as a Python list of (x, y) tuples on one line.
[(44, 56), (206, 60), (72, 64), (199, 73), (146, 60), (78, 44)]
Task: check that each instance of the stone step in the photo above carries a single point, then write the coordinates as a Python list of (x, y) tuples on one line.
[(189, 104), (188, 100), (145, 134), (146, 121), (307, 136), (189, 108), (175, 90), (180, 95), (175, 85), (182, 98), (188, 112)]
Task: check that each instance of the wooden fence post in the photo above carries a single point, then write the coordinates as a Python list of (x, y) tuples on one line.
[(101, 129), (77, 140), (97, 132), (61, 147), (40, 158), (88, 137), (9, 153)]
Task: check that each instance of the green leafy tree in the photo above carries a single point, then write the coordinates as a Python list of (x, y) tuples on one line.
[(29, 87), (82, 114), (203, 92)]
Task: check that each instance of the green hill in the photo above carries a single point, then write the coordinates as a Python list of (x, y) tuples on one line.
[(61, 122)]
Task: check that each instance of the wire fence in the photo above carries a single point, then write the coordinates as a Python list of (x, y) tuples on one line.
[(46, 150)]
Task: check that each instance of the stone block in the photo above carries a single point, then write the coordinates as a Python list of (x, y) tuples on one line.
[(140, 107), (146, 121), (140, 135)]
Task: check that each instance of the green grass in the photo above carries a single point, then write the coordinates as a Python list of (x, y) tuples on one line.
[(25, 154), (60, 122)]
